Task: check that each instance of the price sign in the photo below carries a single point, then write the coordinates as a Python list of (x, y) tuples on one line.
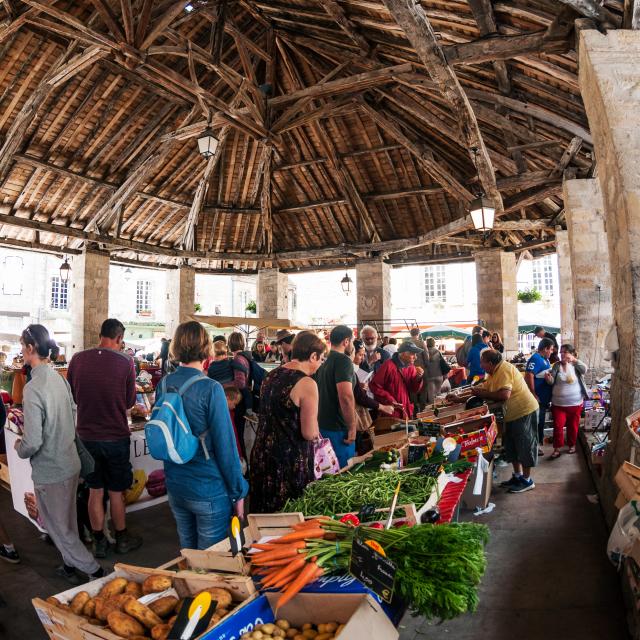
[(372, 569), (430, 469)]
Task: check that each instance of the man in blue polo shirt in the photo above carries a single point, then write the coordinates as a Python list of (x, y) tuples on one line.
[(537, 365)]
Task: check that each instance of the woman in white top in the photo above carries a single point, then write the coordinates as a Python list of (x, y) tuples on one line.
[(568, 394)]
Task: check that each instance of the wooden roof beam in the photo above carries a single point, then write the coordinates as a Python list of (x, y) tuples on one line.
[(417, 28), (567, 157), (631, 18), (495, 48), (109, 19), (483, 13), (338, 14)]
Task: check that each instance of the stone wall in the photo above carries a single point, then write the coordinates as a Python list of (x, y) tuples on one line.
[(273, 294), (89, 298), (498, 295), (181, 296), (591, 282), (609, 75), (373, 284), (565, 277)]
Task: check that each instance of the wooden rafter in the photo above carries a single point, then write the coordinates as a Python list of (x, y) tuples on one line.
[(594, 10), (416, 26), (342, 20)]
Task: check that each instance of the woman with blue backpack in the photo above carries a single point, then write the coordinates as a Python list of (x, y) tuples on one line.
[(204, 478)]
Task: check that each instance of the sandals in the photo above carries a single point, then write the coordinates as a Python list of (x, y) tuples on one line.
[(555, 455), (572, 450)]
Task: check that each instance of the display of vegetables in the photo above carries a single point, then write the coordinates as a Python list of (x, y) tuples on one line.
[(350, 491), (438, 567), (284, 629)]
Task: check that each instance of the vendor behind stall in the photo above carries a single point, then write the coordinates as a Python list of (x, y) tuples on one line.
[(506, 384), (397, 378)]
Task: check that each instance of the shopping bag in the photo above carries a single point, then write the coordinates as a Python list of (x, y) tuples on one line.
[(624, 532), (325, 458)]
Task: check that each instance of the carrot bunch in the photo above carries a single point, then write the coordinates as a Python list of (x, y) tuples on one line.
[(290, 562)]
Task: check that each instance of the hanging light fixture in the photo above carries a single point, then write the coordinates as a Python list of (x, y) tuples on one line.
[(207, 143), (346, 283), (65, 270), (482, 209)]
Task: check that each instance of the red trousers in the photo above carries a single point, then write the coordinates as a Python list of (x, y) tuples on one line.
[(569, 417)]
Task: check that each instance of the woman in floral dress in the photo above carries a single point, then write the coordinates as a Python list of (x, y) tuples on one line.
[(282, 456)]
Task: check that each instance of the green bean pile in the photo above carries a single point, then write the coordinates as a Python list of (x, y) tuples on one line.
[(347, 492)]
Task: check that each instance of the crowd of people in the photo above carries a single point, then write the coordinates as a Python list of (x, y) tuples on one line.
[(259, 431)]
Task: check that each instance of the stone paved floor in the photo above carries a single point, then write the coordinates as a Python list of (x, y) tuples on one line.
[(547, 579)]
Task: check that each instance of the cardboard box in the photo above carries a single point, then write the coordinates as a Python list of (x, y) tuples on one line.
[(472, 501), (363, 616), (477, 433), (65, 625), (593, 418), (628, 480)]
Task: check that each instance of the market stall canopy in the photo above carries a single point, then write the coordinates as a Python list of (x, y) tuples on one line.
[(223, 322), (442, 331), (334, 129), (529, 328)]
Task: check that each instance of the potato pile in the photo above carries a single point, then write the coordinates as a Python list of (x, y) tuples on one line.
[(283, 629), (117, 607)]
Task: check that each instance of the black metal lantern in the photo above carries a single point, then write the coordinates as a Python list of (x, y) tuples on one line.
[(207, 143), (346, 283), (65, 270)]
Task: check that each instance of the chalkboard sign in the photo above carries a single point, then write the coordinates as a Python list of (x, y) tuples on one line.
[(430, 469), (372, 569)]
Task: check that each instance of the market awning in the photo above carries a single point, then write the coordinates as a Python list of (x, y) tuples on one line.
[(442, 331), (529, 328), (235, 321)]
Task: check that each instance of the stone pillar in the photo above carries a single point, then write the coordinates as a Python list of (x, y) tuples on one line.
[(498, 295), (273, 294), (609, 81), (373, 288), (591, 282), (565, 276), (89, 298), (181, 297)]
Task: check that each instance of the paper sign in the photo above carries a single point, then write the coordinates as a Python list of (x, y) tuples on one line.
[(373, 570)]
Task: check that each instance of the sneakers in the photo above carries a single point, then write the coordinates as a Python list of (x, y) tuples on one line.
[(100, 547), (512, 482), (126, 542), (70, 576), (523, 485), (9, 556)]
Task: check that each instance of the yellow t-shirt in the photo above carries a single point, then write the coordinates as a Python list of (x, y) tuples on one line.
[(521, 402)]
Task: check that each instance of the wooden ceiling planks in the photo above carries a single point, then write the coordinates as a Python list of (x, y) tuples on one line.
[(103, 123)]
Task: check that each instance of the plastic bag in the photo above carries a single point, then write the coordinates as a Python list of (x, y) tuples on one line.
[(624, 532), (325, 458)]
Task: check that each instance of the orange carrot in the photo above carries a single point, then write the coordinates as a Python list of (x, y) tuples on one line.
[(266, 546), (284, 583), (294, 566), (312, 532), (315, 522), (272, 563), (284, 551), (307, 575)]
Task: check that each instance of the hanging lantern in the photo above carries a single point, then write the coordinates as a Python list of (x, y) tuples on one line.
[(482, 212), (207, 143), (346, 283), (65, 270)]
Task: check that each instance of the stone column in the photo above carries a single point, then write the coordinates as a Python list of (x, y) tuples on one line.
[(181, 297), (373, 288), (273, 294), (565, 276), (498, 295), (609, 81), (591, 282), (89, 298)]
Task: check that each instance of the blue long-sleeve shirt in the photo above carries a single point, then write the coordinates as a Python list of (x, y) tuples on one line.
[(220, 477), (473, 360)]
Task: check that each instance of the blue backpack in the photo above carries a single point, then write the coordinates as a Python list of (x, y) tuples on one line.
[(169, 436)]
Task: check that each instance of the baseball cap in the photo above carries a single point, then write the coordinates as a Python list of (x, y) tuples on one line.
[(410, 347)]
